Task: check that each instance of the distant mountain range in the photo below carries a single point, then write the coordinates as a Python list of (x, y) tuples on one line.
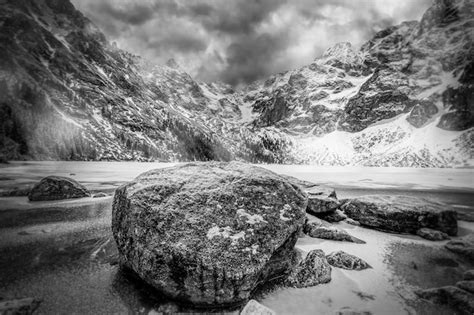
[(406, 98)]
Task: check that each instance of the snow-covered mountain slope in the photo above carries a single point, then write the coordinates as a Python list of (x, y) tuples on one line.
[(404, 99)]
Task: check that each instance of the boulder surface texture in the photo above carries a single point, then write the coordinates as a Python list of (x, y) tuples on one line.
[(56, 188), (401, 214), (208, 233)]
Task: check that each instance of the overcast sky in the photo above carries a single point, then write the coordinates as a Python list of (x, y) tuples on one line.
[(238, 41)]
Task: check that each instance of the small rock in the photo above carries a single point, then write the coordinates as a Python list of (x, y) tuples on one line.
[(466, 285), (56, 188), (19, 306), (468, 275), (255, 308), (321, 200), (317, 229), (432, 235), (453, 296), (463, 246), (347, 261), (312, 270), (100, 195), (335, 216), (352, 222)]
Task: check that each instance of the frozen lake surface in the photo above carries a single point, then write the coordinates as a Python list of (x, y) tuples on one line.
[(56, 251)]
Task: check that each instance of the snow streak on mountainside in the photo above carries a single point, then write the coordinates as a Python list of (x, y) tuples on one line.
[(404, 99)]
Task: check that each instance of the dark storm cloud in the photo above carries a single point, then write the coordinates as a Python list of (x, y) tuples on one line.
[(238, 41)]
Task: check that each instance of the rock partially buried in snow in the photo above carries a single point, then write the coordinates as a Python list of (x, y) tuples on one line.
[(319, 229), (463, 246), (347, 261), (432, 235), (400, 214), (255, 308), (57, 188), (312, 270), (208, 233)]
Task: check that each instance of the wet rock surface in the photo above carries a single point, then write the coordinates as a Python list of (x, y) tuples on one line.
[(335, 216), (400, 214), (432, 235), (57, 188), (321, 199), (312, 270), (208, 233), (347, 261)]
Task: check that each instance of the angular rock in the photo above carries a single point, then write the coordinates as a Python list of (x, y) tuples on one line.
[(468, 275), (312, 270), (463, 246), (455, 297), (466, 285), (347, 261), (19, 306), (208, 233), (100, 195), (321, 199), (432, 235), (56, 188), (335, 216), (318, 229), (400, 214), (255, 308)]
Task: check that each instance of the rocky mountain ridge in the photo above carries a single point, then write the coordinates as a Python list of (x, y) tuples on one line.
[(404, 99)]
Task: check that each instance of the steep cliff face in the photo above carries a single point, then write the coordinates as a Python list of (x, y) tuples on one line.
[(404, 99)]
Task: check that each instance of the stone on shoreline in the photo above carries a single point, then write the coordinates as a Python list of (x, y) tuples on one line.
[(347, 261), (400, 214), (312, 270), (321, 199), (57, 188), (319, 229), (432, 235), (208, 233), (335, 216)]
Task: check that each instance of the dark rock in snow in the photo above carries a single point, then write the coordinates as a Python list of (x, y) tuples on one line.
[(347, 261), (319, 229), (466, 285), (56, 188), (208, 233), (453, 296), (19, 306), (422, 113), (463, 246), (349, 311), (255, 308), (400, 214), (432, 235), (312, 270)]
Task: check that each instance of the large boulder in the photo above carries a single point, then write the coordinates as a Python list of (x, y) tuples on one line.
[(400, 214), (208, 233), (321, 199), (56, 188)]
